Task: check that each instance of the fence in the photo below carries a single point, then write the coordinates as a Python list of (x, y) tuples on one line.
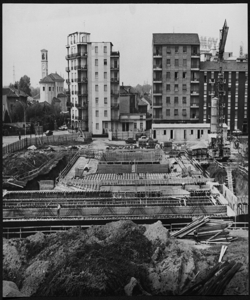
[(123, 135), (37, 141)]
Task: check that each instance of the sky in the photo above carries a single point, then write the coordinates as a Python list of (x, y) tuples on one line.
[(29, 28)]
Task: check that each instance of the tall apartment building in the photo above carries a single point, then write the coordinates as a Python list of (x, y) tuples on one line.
[(93, 82), (176, 58), (236, 92)]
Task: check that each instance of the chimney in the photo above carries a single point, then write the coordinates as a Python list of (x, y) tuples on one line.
[(122, 84)]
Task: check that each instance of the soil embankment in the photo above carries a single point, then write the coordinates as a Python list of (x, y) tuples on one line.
[(116, 259)]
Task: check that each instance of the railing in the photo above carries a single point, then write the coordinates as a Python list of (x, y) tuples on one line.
[(115, 53), (79, 67), (67, 69), (157, 104), (157, 92), (158, 79), (114, 67), (157, 66), (114, 92), (115, 106), (115, 79), (157, 117), (84, 93)]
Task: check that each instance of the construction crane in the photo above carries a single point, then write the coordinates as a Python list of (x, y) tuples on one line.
[(222, 151)]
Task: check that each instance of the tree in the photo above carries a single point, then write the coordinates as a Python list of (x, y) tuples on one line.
[(15, 85), (6, 117), (35, 91), (24, 85)]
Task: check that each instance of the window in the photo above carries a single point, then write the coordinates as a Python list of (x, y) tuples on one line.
[(105, 62), (201, 131), (184, 112), (105, 113), (184, 63), (176, 87), (141, 125), (184, 100), (105, 49), (96, 62), (168, 49), (44, 88), (53, 88), (105, 75), (105, 100), (175, 100), (175, 75), (192, 132), (105, 88), (168, 100), (97, 126), (184, 49), (135, 125), (184, 75), (184, 87), (168, 62), (205, 77), (49, 89), (96, 100), (96, 87), (176, 49), (96, 75), (168, 112), (164, 132), (176, 62), (208, 131), (96, 49), (97, 113), (176, 112), (168, 87), (168, 75)]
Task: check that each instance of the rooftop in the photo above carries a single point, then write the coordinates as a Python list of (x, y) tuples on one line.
[(13, 92), (176, 38), (51, 78), (228, 65)]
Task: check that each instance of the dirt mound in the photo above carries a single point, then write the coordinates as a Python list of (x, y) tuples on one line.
[(11, 290), (116, 259)]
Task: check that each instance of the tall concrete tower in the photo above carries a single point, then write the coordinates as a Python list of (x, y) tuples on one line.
[(44, 59)]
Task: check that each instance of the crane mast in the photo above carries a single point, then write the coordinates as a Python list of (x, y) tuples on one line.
[(220, 89)]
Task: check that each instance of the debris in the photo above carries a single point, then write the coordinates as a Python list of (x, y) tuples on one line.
[(223, 250), (33, 147)]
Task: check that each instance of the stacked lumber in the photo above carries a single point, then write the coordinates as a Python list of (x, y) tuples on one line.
[(207, 230), (216, 280)]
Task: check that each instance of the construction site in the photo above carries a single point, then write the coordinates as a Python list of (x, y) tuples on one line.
[(102, 218)]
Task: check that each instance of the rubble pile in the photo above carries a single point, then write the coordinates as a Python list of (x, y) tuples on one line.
[(116, 259)]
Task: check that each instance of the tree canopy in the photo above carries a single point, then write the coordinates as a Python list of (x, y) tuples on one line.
[(24, 85)]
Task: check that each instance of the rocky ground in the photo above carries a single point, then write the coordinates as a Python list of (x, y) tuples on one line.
[(119, 258)]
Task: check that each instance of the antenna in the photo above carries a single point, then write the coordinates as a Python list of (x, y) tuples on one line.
[(14, 78), (241, 49)]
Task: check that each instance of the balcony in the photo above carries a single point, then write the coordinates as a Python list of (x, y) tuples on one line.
[(194, 80), (68, 81), (194, 105), (115, 79), (158, 79), (67, 69), (115, 106), (195, 67), (157, 54), (194, 93), (157, 67), (71, 56), (115, 53), (82, 94), (82, 80), (114, 67), (83, 54), (83, 106), (157, 104), (114, 93), (115, 117), (195, 55), (157, 117), (81, 68), (157, 92)]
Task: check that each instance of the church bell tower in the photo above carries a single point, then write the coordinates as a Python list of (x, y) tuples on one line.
[(44, 59)]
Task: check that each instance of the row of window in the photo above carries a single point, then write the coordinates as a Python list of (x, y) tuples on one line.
[(176, 112), (97, 88), (52, 89), (97, 100), (176, 87), (115, 75), (97, 113), (191, 132), (104, 49), (176, 100), (158, 50)]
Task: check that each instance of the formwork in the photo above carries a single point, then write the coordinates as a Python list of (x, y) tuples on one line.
[(131, 155)]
